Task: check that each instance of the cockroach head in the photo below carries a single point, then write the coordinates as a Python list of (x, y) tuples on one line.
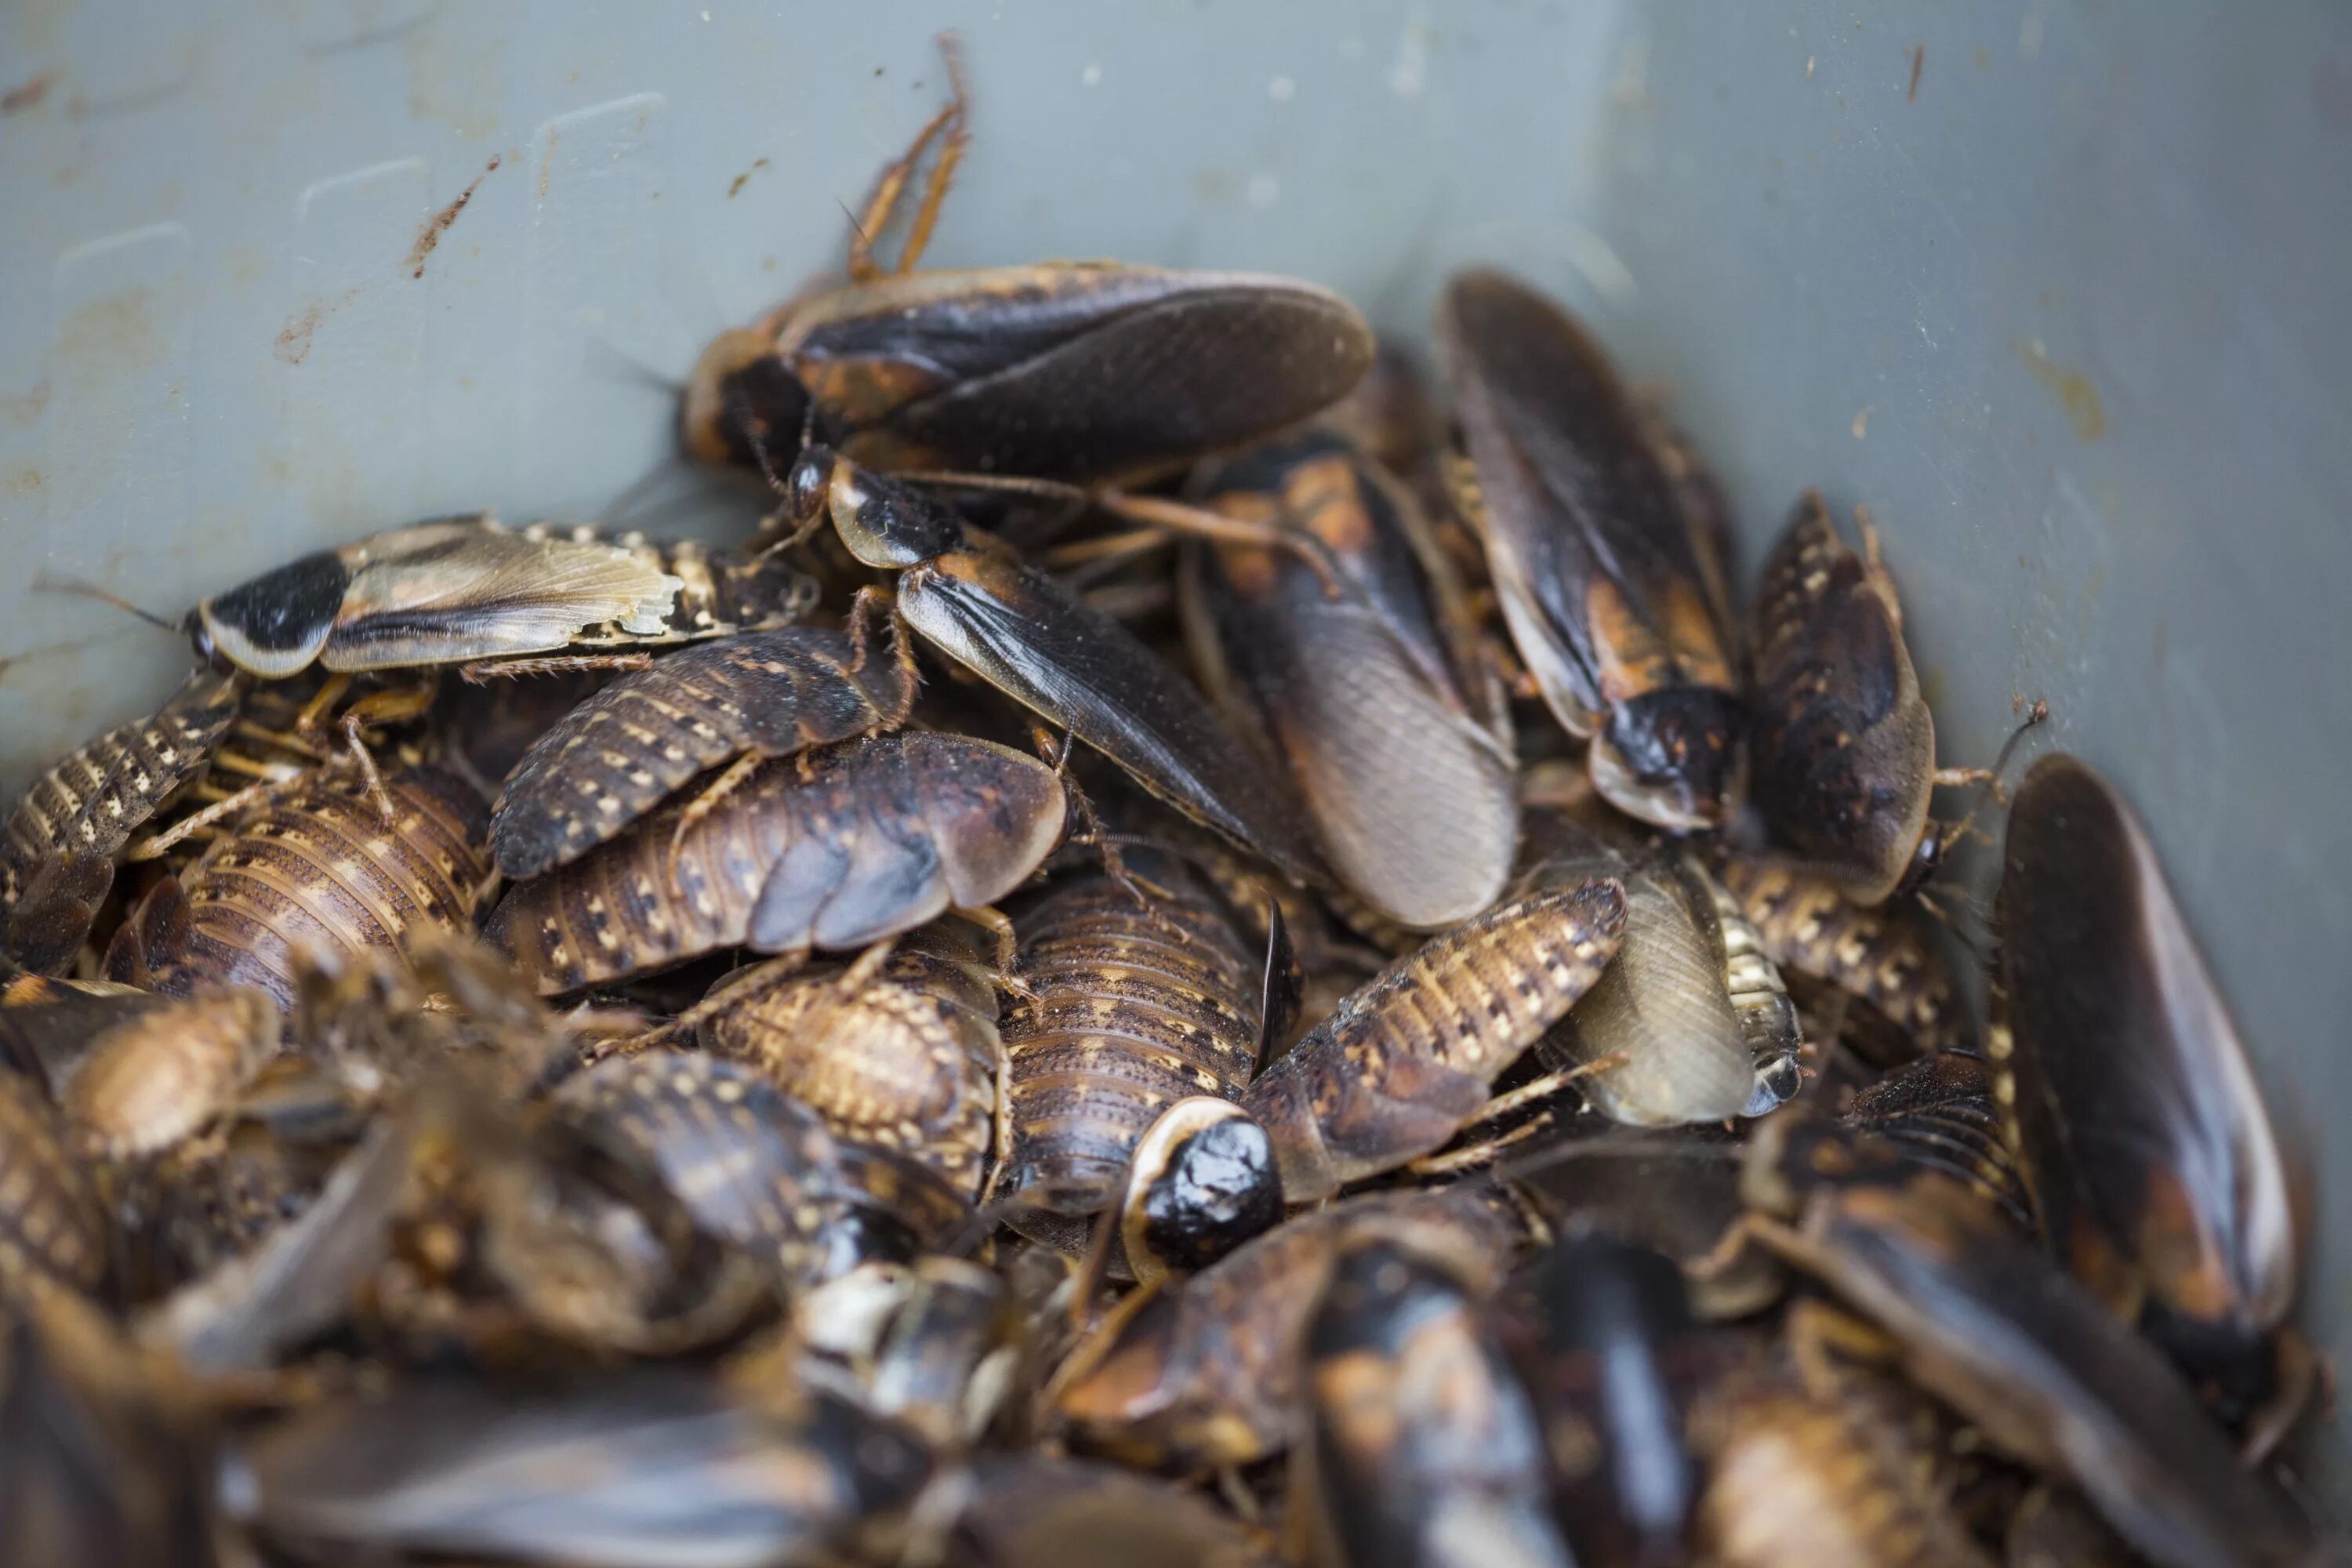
[(1202, 1181)]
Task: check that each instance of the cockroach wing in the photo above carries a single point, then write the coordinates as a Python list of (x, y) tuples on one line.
[(1845, 747), (1079, 371), (2113, 1008), (1034, 640), (444, 592)]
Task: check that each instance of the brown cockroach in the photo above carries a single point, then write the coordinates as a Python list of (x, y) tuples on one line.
[(156, 1079), (906, 1057), (1881, 965), (315, 870), (1411, 1057), (735, 701), (832, 849), (51, 1224), (1143, 1024)]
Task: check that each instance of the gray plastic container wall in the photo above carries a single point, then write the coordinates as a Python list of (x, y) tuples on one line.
[(2055, 289)]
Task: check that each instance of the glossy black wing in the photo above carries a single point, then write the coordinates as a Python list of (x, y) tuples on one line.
[(1035, 641), (1079, 371)]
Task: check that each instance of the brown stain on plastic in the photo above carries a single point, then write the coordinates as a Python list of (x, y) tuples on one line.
[(294, 343), (736, 188), (430, 234), (27, 95), (2075, 394), (1918, 53)]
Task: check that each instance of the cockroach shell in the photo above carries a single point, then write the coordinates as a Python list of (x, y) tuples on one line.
[(612, 758), (1878, 964), (1205, 1372), (1416, 1437), (2118, 1023), (1410, 1057), (1823, 1481), (644, 1466), (1984, 1321), (1845, 745), (50, 1221), (1943, 1113), (1069, 370), (1609, 590), (909, 1063), (1662, 1005), (316, 870), (834, 850), (1033, 640), (1424, 831), (156, 1079)]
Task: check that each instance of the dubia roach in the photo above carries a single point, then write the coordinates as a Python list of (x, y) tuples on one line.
[(1877, 969), (1142, 1024), (57, 850), (2164, 1150), (834, 849), (1411, 1058), (156, 1077), (975, 600), (50, 1221), (762, 694), (1416, 1439), (907, 1059), (1374, 698), (314, 870), (1615, 599)]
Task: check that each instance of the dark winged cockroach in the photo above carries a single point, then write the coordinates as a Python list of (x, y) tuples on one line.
[(1845, 745), (974, 599), (834, 849), (736, 701), (1205, 1371), (1075, 371), (1980, 1316), (1879, 969), (1691, 1023), (157, 1078), (316, 868), (1376, 699), (933, 1343), (642, 1469), (1412, 1056), (57, 850), (1417, 1444), (1602, 1333), (2162, 1146), (1141, 1024), (1944, 1112), (907, 1059), (1615, 600), (50, 1221), (755, 1167)]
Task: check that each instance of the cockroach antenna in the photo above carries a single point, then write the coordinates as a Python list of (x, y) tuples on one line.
[(47, 582)]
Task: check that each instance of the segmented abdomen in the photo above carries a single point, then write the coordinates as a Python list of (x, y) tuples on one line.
[(1128, 1018), (318, 868), (1879, 957)]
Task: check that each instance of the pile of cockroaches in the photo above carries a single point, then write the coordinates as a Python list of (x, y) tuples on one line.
[(556, 1047)]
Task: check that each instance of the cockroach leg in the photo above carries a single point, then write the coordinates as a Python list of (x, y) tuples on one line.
[(766, 976), (1199, 522), (156, 845), (481, 670), (703, 805), (892, 184), (859, 972), (313, 716), (1455, 1161), (995, 922), (1820, 1336)]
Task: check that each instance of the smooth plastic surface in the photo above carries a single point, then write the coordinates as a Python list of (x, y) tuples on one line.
[(2057, 289)]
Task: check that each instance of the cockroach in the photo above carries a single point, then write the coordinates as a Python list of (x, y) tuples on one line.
[(834, 849), (57, 850), (51, 1222), (1845, 745), (1797, 1480), (1037, 1511), (46, 1024), (1980, 1316), (975, 600), (155, 1079), (1416, 1439), (1077, 370), (1205, 1371), (1411, 1058), (736, 701), (1602, 1333), (638, 1469), (1879, 968), (1944, 1113), (1691, 1023), (1613, 599), (1422, 831), (906, 1058), (314, 870), (756, 1167), (2128, 1055), (1142, 1026), (933, 1343)]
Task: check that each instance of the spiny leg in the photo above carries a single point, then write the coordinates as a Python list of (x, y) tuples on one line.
[(1090, 831), (381, 708), (892, 183), (313, 716), (158, 843), (998, 924), (762, 979), (1199, 522), (1471, 1157), (703, 805), (951, 151), (859, 973), (487, 669)]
